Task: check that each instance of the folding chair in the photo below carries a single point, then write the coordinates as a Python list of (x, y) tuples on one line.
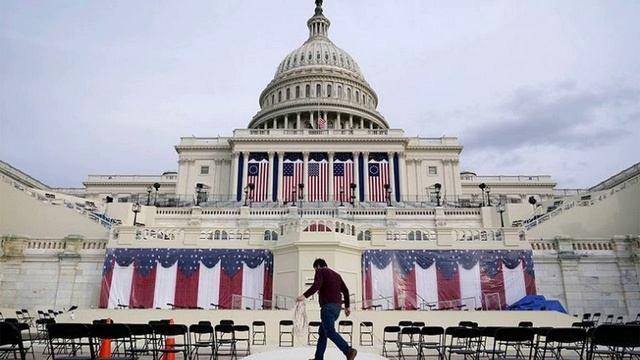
[(313, 332), (559, 339), (285, 331), (527, 324), (226, 322), (258, 333), (171, 339), (142, 339), (464, 341), (618, 341), (390, 335), (117, 334), (11, 342), (366, 333), (225, 338), (409, 338), (70, 342), (242, 334), (431, 339), (596, 318), (202, 338), (345, 328), (509, 343)]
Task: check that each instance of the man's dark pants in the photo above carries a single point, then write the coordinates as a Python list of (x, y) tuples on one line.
[(329, 313)]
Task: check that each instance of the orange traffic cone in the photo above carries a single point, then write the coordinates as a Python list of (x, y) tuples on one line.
[(105, 347), (169, 345)]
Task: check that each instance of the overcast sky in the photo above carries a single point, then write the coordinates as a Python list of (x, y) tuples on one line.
[(529, 87)]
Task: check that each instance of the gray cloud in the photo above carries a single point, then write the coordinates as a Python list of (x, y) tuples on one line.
[(560, 115)]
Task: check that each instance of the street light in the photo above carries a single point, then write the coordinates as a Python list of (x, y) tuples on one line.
[(501, 211), (482, 186), (149, 190), (136, 208), (488, 190), (247, 189), (155, 199), (438, 186), (341, 195), (353, 187), (387, 189)]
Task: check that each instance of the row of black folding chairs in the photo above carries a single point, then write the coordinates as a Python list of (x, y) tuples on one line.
[(158, 340), (606, 341)]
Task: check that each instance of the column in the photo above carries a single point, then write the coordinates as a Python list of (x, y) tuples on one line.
[(298, 125), (402, 167), (338, 122), (275, 123), (392, 178), (234, 175), (245, 167), (331, 196), (365, 176), (286, 121), (305, 174), (326, 119), (361, 123), (312, 121), (350, 121), (280, 168), (270, 179)]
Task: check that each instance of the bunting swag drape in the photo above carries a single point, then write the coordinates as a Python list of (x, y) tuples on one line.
[(450, 279), (187, 278)]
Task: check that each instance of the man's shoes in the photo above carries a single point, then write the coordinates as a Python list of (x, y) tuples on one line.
[(351, 354)]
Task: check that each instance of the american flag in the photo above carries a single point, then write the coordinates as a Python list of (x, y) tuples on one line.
[(342, 179), (378, 177), (292, 174), (259, 177), (322, 122), (317, 180)]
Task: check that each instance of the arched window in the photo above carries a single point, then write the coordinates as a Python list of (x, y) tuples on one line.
[(307, 91), (367, 235), (329, 90), (364, 99), (318, 90), (288, 94), (357, 96), (340, 92), (216, 235), (280, 96), (411, 236), (318, 56), (297, 92), (360, 236), (274, 236), (349, 94), (418, 235), (267, 235), (224, 236), (273, 99)]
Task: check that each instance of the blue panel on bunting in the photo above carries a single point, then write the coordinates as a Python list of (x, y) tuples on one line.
[(448, 261), (275, 178), (188, 260), (343, 156), (259, 156), (295, 156), (317, 156), (377, 156)]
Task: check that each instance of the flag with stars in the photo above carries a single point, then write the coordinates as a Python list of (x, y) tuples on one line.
[(258, 175), (378, 169), (317, 177), (343, 177), (187, 278), (446, 279), (292, 175)]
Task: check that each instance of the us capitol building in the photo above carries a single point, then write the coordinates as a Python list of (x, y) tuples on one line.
[(319, 172)]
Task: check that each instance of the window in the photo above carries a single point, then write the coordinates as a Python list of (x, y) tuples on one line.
[(273, 99), (318, 90), (204, 170), (267, 235), (367, 235), (433, 170), (288, 93), (328, 90), (339, 92), (297, 92), (357, 96), (307, 91), (216, 235), (349, 94), (279, 96)]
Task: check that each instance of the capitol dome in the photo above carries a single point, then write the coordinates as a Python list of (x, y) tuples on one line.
[(318, 81)]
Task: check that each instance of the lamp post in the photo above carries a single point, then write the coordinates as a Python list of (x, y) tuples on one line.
[(300, 193), (501, 211), (294, 194), (341, 195), (482, 186), (387, 190), (155, 199), (488, 190), (136, 208), (353, 187), (149, 189), (438, 186)]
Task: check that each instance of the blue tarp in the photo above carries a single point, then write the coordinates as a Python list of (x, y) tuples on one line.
[(537, 302)]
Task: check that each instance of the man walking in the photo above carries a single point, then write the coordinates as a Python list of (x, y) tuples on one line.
[(330, 287)]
